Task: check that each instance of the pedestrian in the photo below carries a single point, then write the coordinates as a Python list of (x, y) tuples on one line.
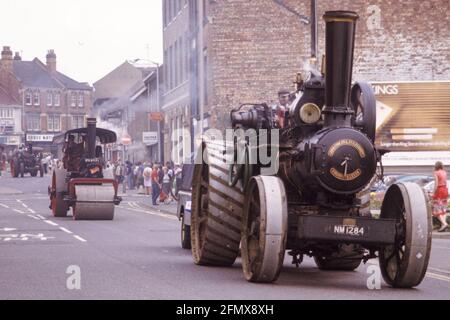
[(166, 186), (147, 180), (119, 172), (440, 195), (129, 174), (156, 185), (2, 160)]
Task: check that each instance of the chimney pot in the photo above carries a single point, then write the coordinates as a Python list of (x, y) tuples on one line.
[(17, 57), (51, 60)]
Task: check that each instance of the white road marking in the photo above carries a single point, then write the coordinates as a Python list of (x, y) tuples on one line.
[(34, 217), (8, 229), (79, 238), (43, 218), (4, 206), (25, 206), (65, 230), (51, 222), (19, 211)]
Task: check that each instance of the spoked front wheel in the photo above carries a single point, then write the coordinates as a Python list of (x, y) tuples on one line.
[(404, 264)]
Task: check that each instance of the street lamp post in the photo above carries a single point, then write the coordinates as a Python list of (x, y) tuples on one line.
[(158, 107)]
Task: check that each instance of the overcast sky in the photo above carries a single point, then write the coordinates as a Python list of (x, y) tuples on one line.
[(90, 37)]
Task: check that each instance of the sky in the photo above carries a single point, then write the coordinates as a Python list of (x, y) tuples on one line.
[(90, 37)]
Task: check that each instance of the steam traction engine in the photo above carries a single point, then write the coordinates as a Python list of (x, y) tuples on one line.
[(311, 205), (84, 183)]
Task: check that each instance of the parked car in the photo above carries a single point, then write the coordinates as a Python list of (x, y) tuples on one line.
[(184, 196), (380, 188)]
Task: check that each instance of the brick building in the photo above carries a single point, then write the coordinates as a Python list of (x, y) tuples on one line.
[(244, 51), (52, 102), (123, 100)]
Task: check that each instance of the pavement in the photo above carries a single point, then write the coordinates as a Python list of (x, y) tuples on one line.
[(138, 256)]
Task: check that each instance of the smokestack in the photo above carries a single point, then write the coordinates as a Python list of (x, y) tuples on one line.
[(17, 57), (91, 137), (7, 58), (51, 61), (339, 46)]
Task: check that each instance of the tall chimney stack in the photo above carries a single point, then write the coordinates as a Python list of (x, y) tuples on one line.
[(7, 58), (51, 61), (339, 46)]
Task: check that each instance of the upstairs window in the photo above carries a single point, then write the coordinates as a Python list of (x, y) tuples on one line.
[(73, 99), (33, 122), (56, 99), (54, 122), (6, 113), (28, 97), (49, 98), (77, 122), (36, 98), (80, 99)]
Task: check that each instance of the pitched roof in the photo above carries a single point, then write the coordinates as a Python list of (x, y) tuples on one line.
[(35, 74), (31, 74), (6, 98)]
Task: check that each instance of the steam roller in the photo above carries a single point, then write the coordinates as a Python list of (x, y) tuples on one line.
[(315, 200), (83, 183)]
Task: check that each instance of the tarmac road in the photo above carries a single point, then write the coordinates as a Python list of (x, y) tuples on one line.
[(138, 256)]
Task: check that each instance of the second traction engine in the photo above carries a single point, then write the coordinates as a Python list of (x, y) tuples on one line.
[(316, 201)]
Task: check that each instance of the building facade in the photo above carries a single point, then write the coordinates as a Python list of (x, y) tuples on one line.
[(244, 51), (51, 101), (124, 99)]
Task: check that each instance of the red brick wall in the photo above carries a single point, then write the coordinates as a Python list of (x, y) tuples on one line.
[(256, 47)]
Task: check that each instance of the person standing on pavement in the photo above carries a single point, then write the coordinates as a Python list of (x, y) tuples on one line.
[(166, 184), (129, 174), (147, 176), (2, 160), (156, 186), (440, 195)]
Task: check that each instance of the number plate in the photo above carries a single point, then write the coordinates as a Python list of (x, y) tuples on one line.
[(348, 230)]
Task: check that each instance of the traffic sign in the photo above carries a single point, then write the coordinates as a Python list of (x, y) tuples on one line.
[(126, 139), (156, 116)]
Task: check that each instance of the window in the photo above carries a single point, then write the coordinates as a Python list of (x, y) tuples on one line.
[(57, 99), (49, 98), (36, 98), (28, 97), (6, 113), (54, 122), (73, 99), (33, 122), (77, 121), (80, 99)]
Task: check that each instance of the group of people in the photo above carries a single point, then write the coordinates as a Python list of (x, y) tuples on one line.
[(155, 179)]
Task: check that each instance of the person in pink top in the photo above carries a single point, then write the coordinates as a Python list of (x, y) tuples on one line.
[(440, 195)]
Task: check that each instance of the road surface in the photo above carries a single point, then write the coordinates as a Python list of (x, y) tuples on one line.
[(138, 256)]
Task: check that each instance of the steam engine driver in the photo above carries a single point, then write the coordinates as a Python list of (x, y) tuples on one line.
[(281, 112)]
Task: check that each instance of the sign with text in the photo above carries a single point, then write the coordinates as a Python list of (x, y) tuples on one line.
[(413, 116), (156, 116), (39, 137), (150, 138)]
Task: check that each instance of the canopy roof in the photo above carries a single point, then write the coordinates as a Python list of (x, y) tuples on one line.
[(105, 136)]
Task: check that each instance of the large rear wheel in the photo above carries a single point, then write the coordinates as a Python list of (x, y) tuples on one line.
[(264, 229), (404, 264), (216, 209)]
